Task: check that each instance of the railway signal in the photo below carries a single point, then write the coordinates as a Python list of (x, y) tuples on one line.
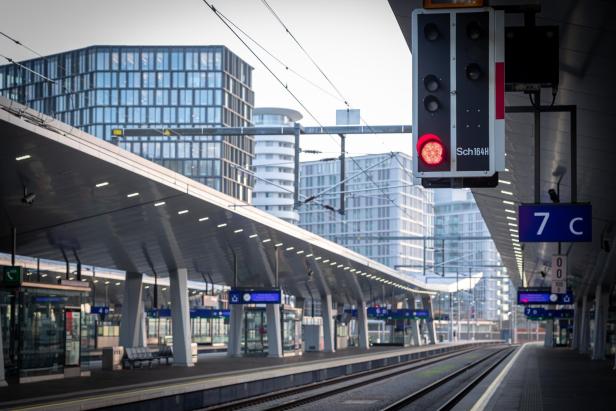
[(458, 92)]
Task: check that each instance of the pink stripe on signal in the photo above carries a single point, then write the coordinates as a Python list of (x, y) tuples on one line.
[(499, 89)]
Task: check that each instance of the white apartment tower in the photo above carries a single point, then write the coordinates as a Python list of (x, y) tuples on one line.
[(273, 164)]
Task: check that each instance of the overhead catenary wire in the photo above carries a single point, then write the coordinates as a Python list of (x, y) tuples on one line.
[(278, 60), (356, 163), (293, 95)]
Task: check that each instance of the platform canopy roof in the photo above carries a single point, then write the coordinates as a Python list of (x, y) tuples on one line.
[(110, 208), (587, 67)]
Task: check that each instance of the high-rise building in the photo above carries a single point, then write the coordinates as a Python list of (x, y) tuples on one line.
[(380, 205), (274, 164), (457, 215), (99, 88)]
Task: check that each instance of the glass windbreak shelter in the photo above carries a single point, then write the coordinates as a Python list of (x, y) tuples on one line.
[(41, 330), (208, 326), (254, 341)]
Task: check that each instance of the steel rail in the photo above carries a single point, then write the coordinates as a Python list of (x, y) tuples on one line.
[(407, 365), (405, 401)]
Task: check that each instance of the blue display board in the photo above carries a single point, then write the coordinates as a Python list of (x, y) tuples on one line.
[(543, 295), (555, 223), (240, 296)]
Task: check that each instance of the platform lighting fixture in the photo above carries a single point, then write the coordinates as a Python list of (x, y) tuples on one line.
[(221, 225), (509, 193), (504, 182), (444, 4), (103, 184), (278, 245), (95, 281), (164, 289), (203, 219), (508, 202), (507, 170), (160, 203), (509, 211), (352, 270), (267, 240), (58, 277), (300, 252), (253, 235), (118, 283), (132, 195), (339, 265), (326, 261), (332, 263), (363, 273), (317, 258), (146, 287), (289, 248), (24, 157), (309, 255), (239, 230), (511, 218), (512, 225), (182, 212), (107, 282)]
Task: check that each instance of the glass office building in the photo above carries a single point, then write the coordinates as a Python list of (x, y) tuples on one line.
[(103, 87), (457, 215), (373, 222)]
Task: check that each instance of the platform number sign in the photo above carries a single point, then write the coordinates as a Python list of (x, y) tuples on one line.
[(555, 222), (559, 274)]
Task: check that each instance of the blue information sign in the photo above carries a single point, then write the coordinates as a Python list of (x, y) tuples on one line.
[(555, 223), (209, 313), (99, 309), (543, 295), (239, 296), (546, 314), (159, 312)]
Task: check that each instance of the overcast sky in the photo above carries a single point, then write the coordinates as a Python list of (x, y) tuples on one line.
[(357, 43)]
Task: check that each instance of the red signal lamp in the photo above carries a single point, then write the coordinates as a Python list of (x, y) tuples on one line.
[(431, 149)]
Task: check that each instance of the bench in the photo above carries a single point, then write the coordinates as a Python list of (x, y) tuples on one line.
[(140, 355)]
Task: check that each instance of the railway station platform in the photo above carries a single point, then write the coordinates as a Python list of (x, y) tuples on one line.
[(555, 379), (214, 379)]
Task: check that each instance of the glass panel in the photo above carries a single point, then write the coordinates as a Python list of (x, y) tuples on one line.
[(42, 325), (72, 341)]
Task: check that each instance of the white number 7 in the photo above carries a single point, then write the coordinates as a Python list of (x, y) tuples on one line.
[(545, 216)]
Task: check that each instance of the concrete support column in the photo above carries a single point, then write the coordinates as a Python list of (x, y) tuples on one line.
[(602, 301), (427, 305), (415, 330), (274, 330), (577, 325), (585, 325), (180, 317), (548, 339), (362, 325), (234, 345), (2, 378), (132, 311), (329, 330), (143, 335)]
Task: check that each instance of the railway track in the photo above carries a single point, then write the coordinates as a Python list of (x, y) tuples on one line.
[(306, 394)]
